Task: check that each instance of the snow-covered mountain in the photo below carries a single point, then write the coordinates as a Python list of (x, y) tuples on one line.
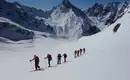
[(71, 22), (106, 14), (22, 17), (64, 20), (13, 31)]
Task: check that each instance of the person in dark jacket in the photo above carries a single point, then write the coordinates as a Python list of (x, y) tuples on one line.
[(49, 59), (80, 51), (65, 56), (59, 58), (36, 60), (77, 52)]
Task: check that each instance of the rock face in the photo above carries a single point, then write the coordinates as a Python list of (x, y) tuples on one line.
[(71, 22), (13, 31), (108, 13)]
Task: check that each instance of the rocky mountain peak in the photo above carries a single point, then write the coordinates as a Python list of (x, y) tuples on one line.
[(66, 4)]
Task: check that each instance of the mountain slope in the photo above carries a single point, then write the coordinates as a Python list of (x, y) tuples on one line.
[(13, 31), (22, 17)]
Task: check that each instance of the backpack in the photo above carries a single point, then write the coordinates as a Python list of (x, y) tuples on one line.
[(49, 57), (36, 58)]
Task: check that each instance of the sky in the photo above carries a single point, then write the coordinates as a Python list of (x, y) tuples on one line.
[(48, 4)]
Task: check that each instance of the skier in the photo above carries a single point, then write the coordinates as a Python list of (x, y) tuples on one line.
[(59, 58), (36, 59), (80, 51), (49, 59), (65, 56), (75, 53), (84, 50)]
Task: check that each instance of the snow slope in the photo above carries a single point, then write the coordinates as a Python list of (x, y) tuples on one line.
[(107, 57)]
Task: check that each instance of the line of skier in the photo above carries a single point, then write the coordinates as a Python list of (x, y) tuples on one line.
[(59, 56), (49, 58), (79, 52)]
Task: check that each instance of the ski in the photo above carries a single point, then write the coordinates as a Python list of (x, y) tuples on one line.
[(42, 69)]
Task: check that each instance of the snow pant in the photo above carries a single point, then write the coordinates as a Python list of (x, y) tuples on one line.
[(59, 61), (75, 55), (64, 59), (80, 52), (37, 65), (84, 52), (49, 63)]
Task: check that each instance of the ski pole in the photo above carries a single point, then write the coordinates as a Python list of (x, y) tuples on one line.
[(52, 62), (45, 63), (31, 65)]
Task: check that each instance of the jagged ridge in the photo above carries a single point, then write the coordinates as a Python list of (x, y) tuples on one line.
[(107, 13)]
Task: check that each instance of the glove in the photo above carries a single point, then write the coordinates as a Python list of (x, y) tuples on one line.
[(30, 60)]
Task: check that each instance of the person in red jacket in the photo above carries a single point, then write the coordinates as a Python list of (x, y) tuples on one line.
[(75, 53), (36, 60), (84, 50)]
